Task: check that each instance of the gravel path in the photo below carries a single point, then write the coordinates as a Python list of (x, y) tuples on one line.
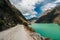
[(16, 33)]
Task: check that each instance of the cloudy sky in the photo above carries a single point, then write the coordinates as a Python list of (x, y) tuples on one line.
[(34, 8)]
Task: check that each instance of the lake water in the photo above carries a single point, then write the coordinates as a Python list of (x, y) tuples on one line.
[(51, 31)]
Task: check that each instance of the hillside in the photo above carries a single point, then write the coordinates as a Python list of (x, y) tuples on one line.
[(53, 16), (9, 15), (34, 18)]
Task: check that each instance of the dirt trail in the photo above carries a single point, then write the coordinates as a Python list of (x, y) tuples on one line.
[(16, 33)]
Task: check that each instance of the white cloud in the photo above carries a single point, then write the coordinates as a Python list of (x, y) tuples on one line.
[(14, 1), (26, 14), (57, 1), (32, 16), (48, 6), (27, 6)]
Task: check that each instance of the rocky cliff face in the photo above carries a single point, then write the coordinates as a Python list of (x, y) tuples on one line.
[(53, 16), (9, 15)]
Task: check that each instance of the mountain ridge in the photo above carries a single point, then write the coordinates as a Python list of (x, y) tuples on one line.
[(50, 17)]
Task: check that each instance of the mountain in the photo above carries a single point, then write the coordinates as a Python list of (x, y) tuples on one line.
[(51, 16), (10, 16), (34, 18)]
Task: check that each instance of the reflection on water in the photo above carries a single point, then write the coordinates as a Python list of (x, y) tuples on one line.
[(51, 31)]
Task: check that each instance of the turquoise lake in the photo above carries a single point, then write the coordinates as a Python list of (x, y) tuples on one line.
[(51, 31)]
